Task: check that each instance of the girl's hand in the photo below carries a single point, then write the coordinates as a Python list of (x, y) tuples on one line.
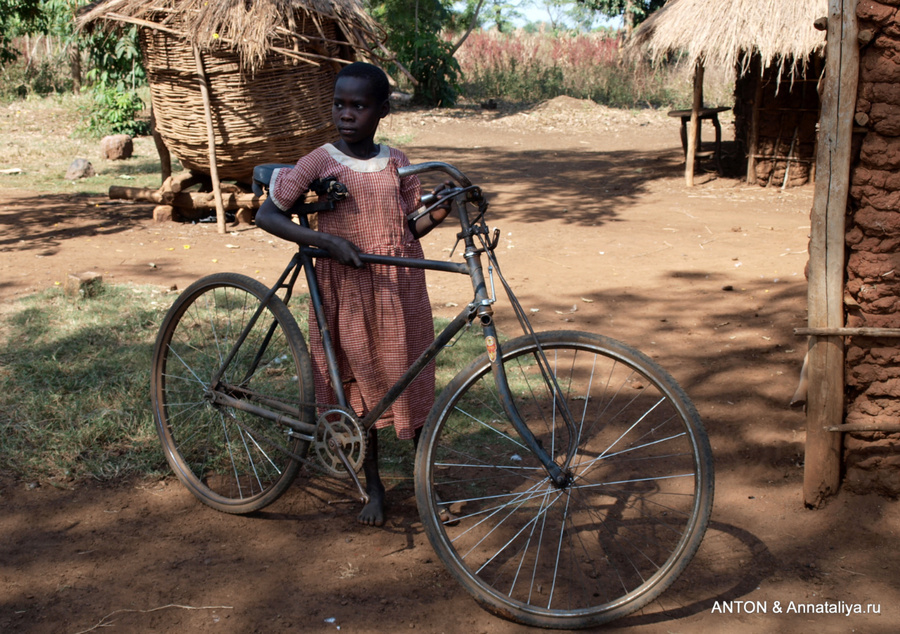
[(435, 215), (436, 192), (343, 251)]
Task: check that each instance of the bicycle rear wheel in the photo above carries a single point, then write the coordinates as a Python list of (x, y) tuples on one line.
[(618, 535), (233, 460)]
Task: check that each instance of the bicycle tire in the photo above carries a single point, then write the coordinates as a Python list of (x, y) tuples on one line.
[(599, 549), (230, 459)]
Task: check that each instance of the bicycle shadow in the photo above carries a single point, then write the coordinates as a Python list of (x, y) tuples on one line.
[(730, 564)]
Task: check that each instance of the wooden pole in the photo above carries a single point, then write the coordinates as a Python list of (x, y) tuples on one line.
[(165, 157), (790, 157), (825, 405), (694, 126), (211, 140), (753, 150)]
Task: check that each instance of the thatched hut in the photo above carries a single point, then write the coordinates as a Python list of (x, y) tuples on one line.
[(776, 52), (261, 72)]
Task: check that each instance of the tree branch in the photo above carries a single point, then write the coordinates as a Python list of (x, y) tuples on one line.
[(471, 28)]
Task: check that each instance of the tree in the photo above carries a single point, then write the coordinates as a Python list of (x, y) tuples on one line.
[(632, 12), (16, 18), (502, 13), (567, 14), (414, 30)]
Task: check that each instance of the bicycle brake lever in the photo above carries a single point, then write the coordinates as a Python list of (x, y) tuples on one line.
[(495, 239)]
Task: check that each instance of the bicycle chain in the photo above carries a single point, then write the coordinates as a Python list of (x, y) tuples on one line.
[(358, 435)]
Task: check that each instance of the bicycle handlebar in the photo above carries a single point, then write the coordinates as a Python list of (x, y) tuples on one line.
[(435, 166), (262, 174)]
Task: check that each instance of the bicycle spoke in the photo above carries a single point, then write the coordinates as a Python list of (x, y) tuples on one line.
[(601, 546), (230, 458)]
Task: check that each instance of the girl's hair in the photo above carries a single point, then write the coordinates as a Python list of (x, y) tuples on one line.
[(378, 81)]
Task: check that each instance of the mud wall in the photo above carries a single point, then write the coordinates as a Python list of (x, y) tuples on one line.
[(788, 113), (872, 295)]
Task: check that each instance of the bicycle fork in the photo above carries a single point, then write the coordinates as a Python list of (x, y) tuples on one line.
[(558, 474)]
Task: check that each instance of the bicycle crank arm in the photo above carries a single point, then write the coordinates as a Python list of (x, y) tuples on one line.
[(336, 447)]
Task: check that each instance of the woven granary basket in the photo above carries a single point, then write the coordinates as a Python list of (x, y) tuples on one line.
[(276, 114)]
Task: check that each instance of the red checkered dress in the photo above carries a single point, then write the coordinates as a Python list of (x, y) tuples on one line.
[(379, 316)]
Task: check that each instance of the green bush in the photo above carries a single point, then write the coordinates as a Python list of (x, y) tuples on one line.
[(115, 112), (46, 77)]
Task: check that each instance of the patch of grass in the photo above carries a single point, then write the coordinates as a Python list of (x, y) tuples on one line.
[(42, 136), (74, 377), (74, 386), (395, 140), (397, 457)]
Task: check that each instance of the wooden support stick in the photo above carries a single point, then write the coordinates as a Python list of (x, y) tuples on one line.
[(211, 140), (848, 332), (165, 157), (790, 157), (825, 405), (694, 126), (754, 125), (887, 428)]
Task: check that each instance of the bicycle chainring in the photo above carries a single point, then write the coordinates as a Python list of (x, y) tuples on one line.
[(350, 435)]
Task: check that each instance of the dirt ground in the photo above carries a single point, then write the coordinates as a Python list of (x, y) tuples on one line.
[(599, 233)]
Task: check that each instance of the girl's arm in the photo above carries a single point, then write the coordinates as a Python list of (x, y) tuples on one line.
[(271, 219)]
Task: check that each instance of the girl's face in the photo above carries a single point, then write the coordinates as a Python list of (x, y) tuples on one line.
[(356, 111)]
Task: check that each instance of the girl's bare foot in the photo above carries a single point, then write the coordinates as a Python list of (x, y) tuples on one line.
[(372, 514)]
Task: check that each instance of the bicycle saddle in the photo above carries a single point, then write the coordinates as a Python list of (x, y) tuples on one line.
[(262, 175)]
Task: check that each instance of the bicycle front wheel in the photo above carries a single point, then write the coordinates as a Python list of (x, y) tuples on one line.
[(600, 548), (232, 459)]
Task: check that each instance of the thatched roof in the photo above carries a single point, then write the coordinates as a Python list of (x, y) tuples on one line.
[(249, 28), (723, 32)]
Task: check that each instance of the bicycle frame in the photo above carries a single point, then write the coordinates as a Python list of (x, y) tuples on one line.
[(479, 308)]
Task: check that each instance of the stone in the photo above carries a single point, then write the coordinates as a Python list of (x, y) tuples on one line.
[(116, 147), (244, 216), (875, 12), (83, 285), (883, 92), (80, 168), (878, 68), (886, 119), (880, 152), (163, 213)]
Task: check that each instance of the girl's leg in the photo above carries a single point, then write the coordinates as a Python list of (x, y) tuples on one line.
[(372, 513)]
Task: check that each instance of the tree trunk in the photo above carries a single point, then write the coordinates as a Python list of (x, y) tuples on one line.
[(628, 18), (75, 59)]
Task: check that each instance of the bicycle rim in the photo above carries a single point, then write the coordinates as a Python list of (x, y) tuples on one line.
[(602, 547), (230, 459)]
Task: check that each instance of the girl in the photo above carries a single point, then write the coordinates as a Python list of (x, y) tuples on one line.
[(379, 317)]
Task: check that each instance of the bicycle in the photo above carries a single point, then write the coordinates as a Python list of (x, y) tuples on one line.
[(563, 478)]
